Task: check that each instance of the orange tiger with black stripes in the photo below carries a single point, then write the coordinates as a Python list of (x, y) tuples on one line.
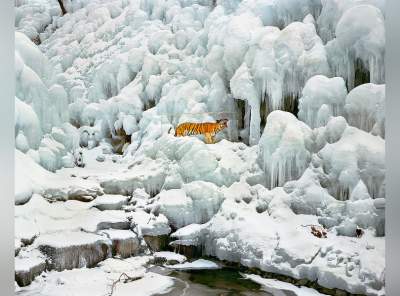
[(208, 129)]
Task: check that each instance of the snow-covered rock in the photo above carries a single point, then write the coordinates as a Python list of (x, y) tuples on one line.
[(69, 250), (28, 266), (124, 242)]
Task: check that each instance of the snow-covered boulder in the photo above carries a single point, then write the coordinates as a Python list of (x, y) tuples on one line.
[(69, 250), (28, 265), (124, 242)]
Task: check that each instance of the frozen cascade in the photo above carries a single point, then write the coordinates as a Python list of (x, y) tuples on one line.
[(322, 97), (365, 108), (332, 11), (359, 46), (283, 61), (356, 156), (242, 87), (285, 148)]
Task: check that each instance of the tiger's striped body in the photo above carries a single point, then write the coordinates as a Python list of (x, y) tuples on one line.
[(208, 129)]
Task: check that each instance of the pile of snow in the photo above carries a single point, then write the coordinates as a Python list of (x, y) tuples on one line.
[(196, 265), (96, 281), (38, 216), (273, 286), (31, 178)]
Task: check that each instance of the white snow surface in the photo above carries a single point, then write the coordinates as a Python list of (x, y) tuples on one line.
[(272, 286), (195, 265)]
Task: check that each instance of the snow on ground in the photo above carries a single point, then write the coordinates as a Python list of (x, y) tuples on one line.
[(197, 264), (170, 256), (31, 178), (98, 281), (272, 286), (100, 91)]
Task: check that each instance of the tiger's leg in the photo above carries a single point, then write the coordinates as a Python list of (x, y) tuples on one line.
[(212, 139), (208, 138)]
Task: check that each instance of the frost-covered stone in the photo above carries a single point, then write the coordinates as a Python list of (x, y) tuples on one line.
[(69, 250), (28, 266), (124, 242)]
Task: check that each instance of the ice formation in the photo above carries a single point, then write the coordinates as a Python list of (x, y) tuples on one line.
[(322, 98), (365, 108), (359, 46), (100, 91), (356, 156), (285, 148)]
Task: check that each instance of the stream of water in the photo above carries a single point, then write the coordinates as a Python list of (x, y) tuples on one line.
[(215, 282)]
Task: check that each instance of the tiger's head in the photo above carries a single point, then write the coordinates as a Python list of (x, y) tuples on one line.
[(223, 123)]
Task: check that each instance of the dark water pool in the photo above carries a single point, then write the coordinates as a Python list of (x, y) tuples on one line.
[(218, 282)]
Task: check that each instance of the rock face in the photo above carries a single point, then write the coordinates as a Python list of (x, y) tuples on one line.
[(124, 242), (71, 250), (156, 243), (27, 268)]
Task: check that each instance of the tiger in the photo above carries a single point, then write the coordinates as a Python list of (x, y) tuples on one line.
[(208, 129)]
